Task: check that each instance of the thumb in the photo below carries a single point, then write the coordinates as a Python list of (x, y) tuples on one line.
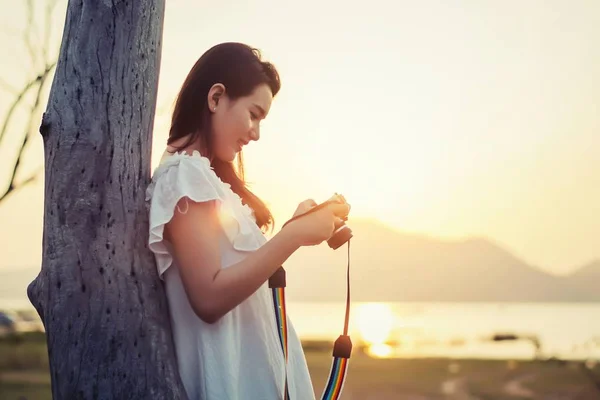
[(340, 210), (309, 203)]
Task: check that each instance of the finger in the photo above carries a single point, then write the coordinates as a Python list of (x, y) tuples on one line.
[(340, 210), (338, 222), (309, 202), (337, 198)]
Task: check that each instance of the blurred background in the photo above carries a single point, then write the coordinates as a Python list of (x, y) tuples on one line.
[(466, 136)]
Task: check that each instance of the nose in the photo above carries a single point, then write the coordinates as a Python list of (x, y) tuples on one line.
[(255, 133)]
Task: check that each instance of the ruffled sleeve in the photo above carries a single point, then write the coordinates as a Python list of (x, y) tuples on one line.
[(183, 176)]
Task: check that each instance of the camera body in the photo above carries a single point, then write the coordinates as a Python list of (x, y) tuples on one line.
[(343, 233), (340, 236)]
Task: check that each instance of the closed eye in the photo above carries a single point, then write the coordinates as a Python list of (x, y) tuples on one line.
[(263, 114)]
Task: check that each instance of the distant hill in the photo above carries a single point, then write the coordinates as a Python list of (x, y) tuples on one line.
[(587, 279), (387, 265), (13, 283)]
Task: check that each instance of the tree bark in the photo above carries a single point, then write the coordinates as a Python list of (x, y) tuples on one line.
[(98, 292)]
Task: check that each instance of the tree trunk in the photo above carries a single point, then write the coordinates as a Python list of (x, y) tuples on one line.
[(98, 293)]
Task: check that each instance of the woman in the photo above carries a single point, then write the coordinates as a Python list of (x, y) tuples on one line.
[(207, 234)]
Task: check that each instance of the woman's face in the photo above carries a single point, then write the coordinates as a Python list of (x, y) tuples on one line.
[(236, 123)]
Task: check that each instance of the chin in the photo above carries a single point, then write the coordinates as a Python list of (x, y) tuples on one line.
[(228, 157)]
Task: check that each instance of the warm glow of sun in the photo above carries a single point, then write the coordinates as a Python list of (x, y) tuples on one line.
[(380, 350), (375, 322)]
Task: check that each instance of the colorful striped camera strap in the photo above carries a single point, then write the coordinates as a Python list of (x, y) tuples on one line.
[(342, 348)]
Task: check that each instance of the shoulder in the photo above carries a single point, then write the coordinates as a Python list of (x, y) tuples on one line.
[(185, 174), (191, 176)]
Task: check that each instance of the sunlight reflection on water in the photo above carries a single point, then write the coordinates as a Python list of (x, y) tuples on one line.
[(458, 330)]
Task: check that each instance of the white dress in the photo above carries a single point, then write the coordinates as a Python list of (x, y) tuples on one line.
[(239, 356)]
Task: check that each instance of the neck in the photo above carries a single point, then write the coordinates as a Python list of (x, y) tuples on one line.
[(176, 146)]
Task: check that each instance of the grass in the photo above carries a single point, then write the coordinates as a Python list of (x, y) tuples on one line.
[(24, 376), (384, 379), (24, 390)]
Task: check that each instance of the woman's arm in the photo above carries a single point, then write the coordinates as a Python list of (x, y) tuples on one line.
[(213, 291)]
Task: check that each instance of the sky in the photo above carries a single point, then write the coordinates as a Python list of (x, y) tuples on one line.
[(449, 119)]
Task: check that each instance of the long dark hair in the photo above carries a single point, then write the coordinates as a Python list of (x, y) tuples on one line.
[(240, 69)]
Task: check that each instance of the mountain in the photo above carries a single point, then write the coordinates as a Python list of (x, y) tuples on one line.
[(587, 278), (13, 285), (387, 265)]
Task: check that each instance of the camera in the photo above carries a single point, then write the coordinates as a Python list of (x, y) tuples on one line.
[(342, 233)]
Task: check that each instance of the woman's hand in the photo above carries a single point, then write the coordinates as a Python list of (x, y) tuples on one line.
[(304, 207), (318, 226)]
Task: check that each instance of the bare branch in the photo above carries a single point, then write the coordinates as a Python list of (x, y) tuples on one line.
[(9, 190), (38, 49), (12, 185), (14, 106), (46, 46), (30, 31), (37, 80)]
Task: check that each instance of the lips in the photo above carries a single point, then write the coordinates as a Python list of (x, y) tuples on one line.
[(241, 143)]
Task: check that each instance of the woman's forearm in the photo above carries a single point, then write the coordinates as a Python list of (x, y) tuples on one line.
[(232, 285)]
